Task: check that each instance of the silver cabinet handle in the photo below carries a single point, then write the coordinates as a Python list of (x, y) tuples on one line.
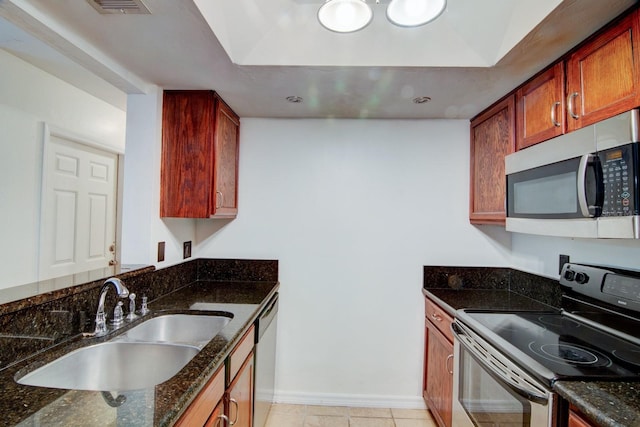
[(220, 200), (436, 317), (446, 364), (554, 110), (570, 99), (235, 402), (222, 418)]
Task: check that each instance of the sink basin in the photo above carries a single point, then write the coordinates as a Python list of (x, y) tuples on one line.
[(112, 366), (177, 328)]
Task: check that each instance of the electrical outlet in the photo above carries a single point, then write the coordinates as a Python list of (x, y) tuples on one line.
[(161, 251), (186, 249), (562, 260)]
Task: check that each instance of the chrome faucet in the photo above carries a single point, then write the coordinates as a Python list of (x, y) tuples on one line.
[(101, 321)]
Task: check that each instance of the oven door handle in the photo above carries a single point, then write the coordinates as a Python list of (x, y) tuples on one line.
[(528, 393)]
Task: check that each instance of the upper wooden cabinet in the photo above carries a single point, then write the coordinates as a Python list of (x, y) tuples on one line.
[(492, 138), (540, 108), (603, 75), (199, 175)]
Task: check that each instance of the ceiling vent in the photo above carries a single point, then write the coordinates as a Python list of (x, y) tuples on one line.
[(120, 7)]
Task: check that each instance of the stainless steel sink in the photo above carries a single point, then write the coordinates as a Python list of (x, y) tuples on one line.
[(178, 328), (112, 366), (144, 356)]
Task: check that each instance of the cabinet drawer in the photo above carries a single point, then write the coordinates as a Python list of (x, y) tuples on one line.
[(439, 318), (240, 353), (200, 409)]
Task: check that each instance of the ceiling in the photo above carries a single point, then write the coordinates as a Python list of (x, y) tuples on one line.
[(255, 53)]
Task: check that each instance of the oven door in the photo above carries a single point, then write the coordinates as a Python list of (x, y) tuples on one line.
[(485, 392)]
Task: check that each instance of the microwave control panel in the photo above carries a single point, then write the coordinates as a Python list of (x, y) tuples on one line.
[(618, 172)]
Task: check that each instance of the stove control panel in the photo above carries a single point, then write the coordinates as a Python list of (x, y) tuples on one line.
[(611, 285)]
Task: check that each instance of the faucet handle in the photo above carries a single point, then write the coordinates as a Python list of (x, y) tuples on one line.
[(117, 314), (132, 307), (144, 309)]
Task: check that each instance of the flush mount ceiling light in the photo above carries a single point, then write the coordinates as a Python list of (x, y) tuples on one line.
[(348, 16), (413, 13), (345, 16)]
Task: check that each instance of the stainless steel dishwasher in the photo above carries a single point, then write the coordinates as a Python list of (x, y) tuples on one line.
[(267, 326)]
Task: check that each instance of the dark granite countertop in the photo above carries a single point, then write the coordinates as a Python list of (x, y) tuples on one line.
[(607, 404), (158, 406), (483, 299)]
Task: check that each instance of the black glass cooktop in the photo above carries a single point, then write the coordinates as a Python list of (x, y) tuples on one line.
[(566, 347)]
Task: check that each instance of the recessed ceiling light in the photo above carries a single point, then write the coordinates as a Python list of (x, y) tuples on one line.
[(294, 99), (421, 99), (345, 16)]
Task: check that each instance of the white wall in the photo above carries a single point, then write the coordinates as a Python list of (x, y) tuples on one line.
[(142, 227), (539, 254), (353, 210), (28, 98)]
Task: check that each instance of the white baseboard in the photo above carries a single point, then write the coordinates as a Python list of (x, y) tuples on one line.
[(353, 400)]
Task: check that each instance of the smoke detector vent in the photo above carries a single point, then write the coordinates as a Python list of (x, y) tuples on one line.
[(120, 7)]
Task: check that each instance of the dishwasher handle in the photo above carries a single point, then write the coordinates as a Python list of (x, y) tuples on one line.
[(267, 316)]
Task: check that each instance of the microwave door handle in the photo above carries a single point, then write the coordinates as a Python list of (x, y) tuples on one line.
[(582, 190)]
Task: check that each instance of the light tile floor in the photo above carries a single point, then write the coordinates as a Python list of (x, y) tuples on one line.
[(284, 415)]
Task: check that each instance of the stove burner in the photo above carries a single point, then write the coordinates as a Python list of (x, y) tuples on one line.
[(558, 322), (629, 356), (570, 354)]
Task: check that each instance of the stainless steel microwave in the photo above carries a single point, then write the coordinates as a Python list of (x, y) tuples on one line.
[(582, 184)]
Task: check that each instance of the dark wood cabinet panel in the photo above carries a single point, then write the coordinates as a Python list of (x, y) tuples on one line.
[(438, 363), (492, 138), (199, 156), (540, 108), (575, 420), (438, 387), (603, 75), (239, 396)]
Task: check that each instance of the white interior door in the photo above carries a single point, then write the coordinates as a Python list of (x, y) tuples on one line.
[(78, 207)]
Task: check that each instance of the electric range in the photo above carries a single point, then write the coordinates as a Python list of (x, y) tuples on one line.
[(507, 362)]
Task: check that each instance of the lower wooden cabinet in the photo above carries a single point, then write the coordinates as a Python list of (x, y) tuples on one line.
[(217, 406), (239, 396), (575, 420), (438, 368)]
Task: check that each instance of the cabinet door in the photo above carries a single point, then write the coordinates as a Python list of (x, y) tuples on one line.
[(187, 154), (209, 398), (492, 138), (540, 108), (603, 75), (240, 396), (225, 196), (438, 387)]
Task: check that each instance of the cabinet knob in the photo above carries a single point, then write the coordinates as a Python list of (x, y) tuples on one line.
[(221, 421), (554, 111), (436, 317), (235, 402), (446, 364), (570, 99), (220, 201)]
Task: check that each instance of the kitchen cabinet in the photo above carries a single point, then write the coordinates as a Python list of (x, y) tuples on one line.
[(438, 363), (239, 396), (240, 376), (576, 420), (603, 75), (204, 406), (540, 107), (199, 171), (492, 138), (227, 399)]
